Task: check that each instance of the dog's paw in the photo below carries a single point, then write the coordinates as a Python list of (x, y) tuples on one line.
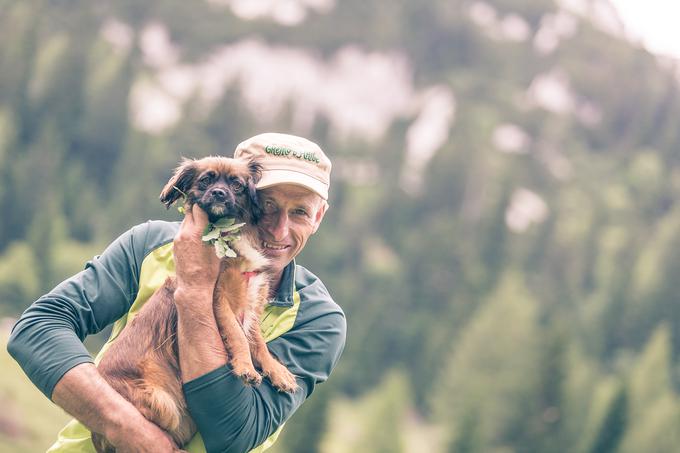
[(280, 377), (247, 373)]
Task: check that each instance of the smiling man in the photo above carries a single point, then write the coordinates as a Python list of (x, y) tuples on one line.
[(293, 193), (304, 328), (291, 215)]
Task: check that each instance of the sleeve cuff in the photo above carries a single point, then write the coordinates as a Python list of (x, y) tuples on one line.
[(209, 379)]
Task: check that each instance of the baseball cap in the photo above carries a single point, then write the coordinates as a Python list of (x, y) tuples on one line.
[(288, 159)]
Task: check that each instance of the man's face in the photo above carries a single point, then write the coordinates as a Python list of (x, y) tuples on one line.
[(291, 215)]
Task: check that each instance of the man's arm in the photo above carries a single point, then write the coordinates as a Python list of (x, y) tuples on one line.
[(47, 343), (84, 394), (201, 349), (243, 417), (47, 339)]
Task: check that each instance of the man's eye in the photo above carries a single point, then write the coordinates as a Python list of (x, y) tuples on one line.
[(300, 212), (269, 207)]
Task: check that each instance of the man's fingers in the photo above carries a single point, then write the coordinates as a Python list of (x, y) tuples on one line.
[(200, 217), (194, 223)]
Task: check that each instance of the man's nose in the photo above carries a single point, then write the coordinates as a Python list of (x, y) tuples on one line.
[(278, 227)]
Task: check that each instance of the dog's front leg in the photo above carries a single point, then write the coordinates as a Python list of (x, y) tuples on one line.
[(232, 334)]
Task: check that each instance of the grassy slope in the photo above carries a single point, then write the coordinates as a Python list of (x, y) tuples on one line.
[(33, 420)]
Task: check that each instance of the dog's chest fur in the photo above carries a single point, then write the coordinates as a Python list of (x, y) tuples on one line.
[(250, 263), (255, 285)]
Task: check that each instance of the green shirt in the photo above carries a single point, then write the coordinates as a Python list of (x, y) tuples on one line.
[(304, 329)]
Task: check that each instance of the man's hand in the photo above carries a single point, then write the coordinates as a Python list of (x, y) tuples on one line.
[(142, 438), (197, 265)]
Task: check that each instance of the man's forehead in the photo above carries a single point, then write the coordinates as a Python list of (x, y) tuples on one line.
[(291, 193)]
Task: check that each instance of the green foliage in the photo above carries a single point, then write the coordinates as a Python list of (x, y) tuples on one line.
[(70, 258), (486, 378), (221, 234), (375, 423), (586, 398), (19, 281), (46, 67), (613, 424), (654, 405), (304, 432)]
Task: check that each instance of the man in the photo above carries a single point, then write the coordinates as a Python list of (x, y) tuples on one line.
[(304, 328)]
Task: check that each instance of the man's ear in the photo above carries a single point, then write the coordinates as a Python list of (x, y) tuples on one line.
[(319, 215), (180, 183)]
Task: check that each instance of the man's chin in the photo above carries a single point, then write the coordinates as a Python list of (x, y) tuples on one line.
[(271, 254), (276, 255)]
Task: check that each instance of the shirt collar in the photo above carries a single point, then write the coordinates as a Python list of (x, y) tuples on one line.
[(284, 295)]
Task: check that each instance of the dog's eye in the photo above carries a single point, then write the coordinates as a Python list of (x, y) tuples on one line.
[(207, 178), (237, 186)]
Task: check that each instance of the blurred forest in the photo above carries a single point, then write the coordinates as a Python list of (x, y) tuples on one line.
[(505, 207)]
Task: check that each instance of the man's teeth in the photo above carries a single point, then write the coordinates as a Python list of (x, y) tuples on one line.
[(267, 245)]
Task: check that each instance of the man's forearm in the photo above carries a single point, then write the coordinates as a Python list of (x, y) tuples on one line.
[(83, 393), (197, 267), (201, 349)]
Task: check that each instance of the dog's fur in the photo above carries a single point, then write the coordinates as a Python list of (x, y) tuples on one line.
[(142, 363)]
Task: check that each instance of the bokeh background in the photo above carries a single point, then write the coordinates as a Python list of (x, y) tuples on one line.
[(505, 209)]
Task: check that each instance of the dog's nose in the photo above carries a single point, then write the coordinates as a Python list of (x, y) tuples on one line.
[(219, 194)]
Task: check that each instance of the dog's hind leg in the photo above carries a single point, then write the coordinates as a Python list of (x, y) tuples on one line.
[(159, 406), (278, 374), (158, 396)]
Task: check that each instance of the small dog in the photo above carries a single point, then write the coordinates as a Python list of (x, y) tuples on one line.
[(142, 363)]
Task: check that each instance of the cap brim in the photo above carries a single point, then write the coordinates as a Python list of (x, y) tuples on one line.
[(275, 177)]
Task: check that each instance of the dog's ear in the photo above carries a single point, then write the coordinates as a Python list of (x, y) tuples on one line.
[(180, 183), (255, 169)]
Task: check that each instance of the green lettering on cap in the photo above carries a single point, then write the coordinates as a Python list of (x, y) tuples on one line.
[(281, 151), (277, 150)]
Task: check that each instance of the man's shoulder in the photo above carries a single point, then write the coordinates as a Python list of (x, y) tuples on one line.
[(307, 282), (320, 319), (314, 296), (154, 233), (158, 227)]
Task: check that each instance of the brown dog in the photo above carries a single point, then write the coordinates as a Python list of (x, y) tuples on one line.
[(142, 363)]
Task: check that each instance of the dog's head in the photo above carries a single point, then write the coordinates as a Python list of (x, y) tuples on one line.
[(221, 186)]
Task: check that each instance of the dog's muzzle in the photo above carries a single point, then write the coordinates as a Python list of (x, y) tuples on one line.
[(217, 203)]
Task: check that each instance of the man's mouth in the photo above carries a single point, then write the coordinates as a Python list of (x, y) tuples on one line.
[(267, 246)]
